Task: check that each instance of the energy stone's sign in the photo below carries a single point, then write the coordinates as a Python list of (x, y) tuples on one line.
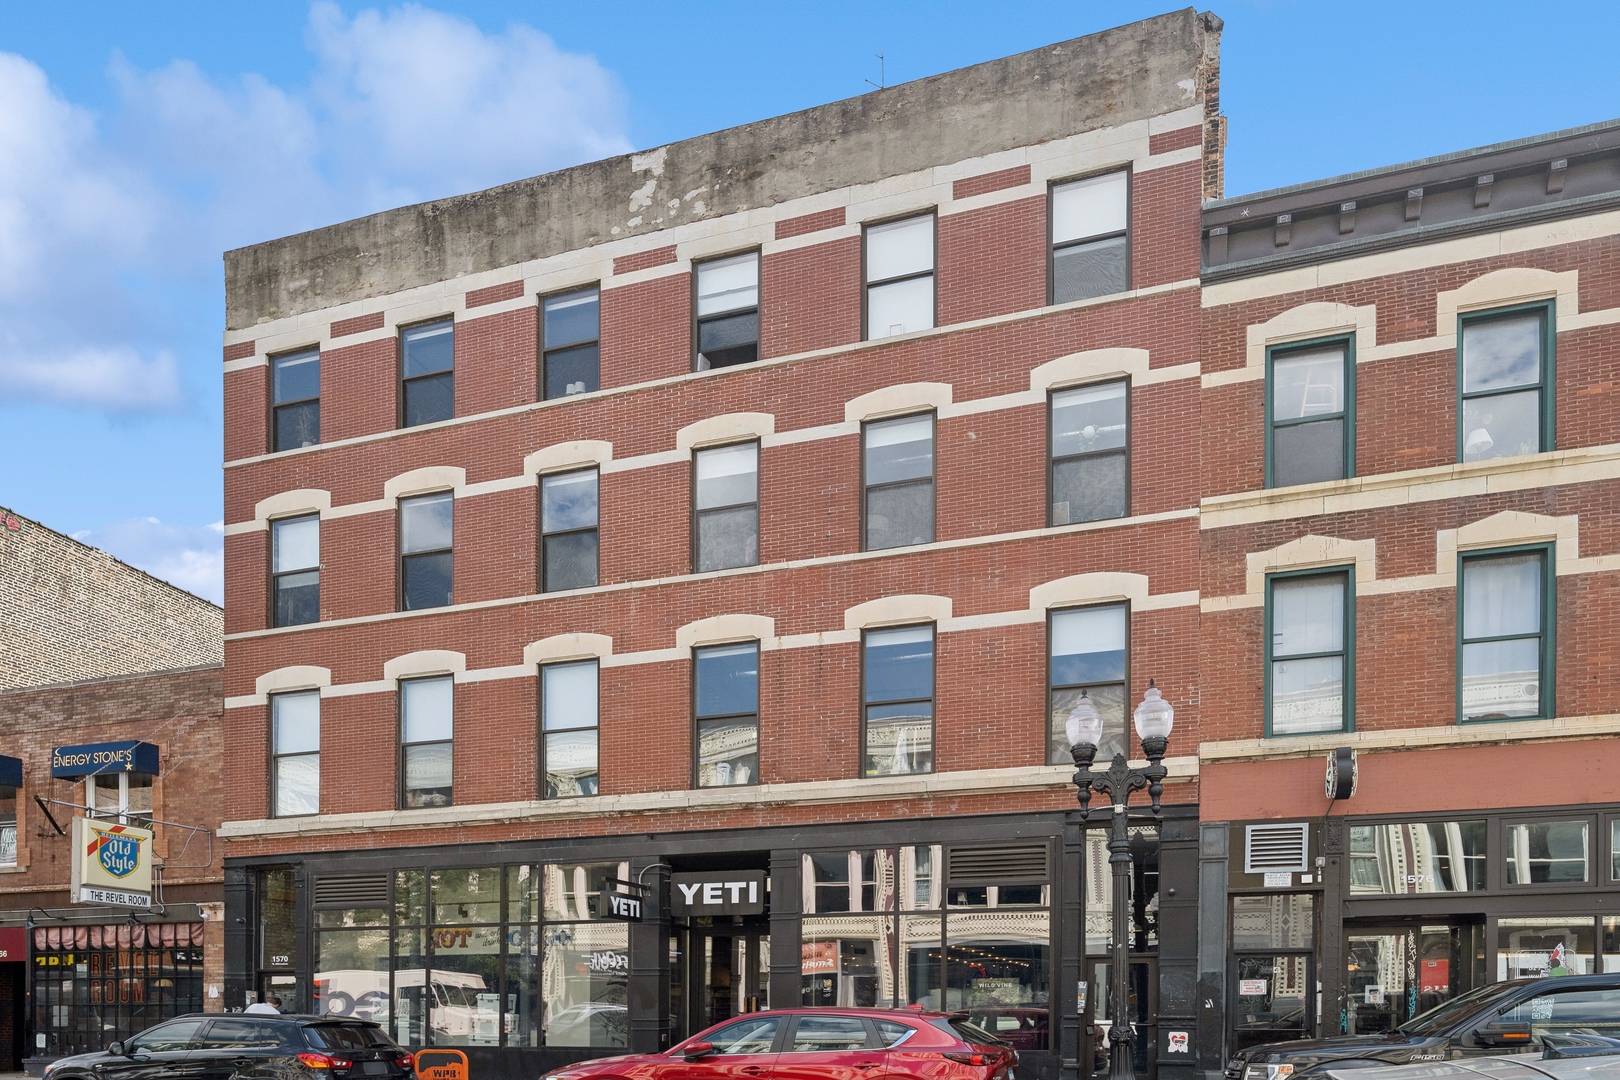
[(734, 892), (92, 759), (112, 864)]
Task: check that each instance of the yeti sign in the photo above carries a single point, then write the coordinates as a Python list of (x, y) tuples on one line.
[(735, 892)]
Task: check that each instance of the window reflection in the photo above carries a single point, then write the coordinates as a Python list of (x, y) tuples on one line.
[(1418, 857)]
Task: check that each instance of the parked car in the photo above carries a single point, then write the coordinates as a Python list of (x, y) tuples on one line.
[(250, 1047), (1499, 1018), (1022, 1028), (820, 1044), (1564, 1057)]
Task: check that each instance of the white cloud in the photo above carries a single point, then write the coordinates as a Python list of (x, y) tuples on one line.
[(188, 557)]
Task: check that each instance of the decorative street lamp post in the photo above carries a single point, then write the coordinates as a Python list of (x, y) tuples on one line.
[(1154, 718)]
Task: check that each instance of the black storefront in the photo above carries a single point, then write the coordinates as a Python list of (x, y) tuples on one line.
[(503, 950)]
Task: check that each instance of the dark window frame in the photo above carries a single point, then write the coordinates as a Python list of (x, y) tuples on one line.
[(1052, 246), (696, 719), (399, 366), (276, 576), (274, 406), (932, 699), (866, 284), (758, 308), (1348, 652), (1596, 871), (540, 713), (1547, 707), (1051, 687), (933, 476), (540, 484), (1548, 413), (1052, 459), (402, 555), (399, 694), (697, 514), (1285, 349), (546, 351), (274, 757)]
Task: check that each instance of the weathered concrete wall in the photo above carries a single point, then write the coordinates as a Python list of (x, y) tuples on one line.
[(1129, 73)]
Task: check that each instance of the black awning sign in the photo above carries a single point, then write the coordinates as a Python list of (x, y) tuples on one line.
[(735, 892), (620, 906)]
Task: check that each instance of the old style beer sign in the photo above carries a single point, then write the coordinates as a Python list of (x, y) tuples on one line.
[(112, 864)]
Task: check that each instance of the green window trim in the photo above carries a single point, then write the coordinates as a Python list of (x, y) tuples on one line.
[(1348, 652), (1283, 350), (1549, 607), (1549, 349)]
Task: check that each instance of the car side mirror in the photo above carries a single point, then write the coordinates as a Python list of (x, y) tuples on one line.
[(1504, 1033), (116, 1049), (697, 1050)]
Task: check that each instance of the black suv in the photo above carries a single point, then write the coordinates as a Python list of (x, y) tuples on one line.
[(225, 1047), (1500, 1018)]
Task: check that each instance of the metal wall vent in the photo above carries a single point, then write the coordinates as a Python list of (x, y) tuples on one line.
[(352, 890), (1010, 864), (1276, 848)]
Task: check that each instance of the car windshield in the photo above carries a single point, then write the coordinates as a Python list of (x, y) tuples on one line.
[(1448, 1013), (346, 1037)]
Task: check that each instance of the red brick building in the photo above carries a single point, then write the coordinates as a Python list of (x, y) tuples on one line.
[(757, 507)]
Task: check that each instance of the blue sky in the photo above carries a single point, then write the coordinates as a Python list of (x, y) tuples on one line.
[(137, 142)]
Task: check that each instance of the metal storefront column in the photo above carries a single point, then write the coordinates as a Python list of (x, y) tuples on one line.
[(787, 958), (649, 960)]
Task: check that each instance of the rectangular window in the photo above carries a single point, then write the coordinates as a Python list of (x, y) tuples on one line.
[(1418, 857), (725, 506), (1309, 653), (426, 534), (426, 730), (1088, 658), (1090, 478), (726, 706), (728, 311), (1546, 852), (295, 383), (568, 722), (1537, 947), (1506, 362), (898, 685), (8, 826), (568, 535), (295, 570), (1310, 423), (899, 277), (571, 329), (427, 373), (295, 754), (898, 478), (1090, 241), (1506, 602)]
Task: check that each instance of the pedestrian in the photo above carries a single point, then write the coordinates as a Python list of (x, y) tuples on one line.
[(271, 1005)]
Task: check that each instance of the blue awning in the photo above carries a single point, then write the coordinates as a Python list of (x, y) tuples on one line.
[(10, 772), (92, 759)]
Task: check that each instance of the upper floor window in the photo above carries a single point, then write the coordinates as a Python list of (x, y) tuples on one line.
[(1506, 635), (295, 754), (1506, 383), (295, 570), (897, 467), (897, 679), (1087, 659), (1310, 421), (295, 394), (568, 531), (1090, 241), (427, 373), (900, 277), (568, 723), (1090, 478), (8, 826), (725, 506), (426, 734), (726, 711), (1310, 651), (426, 560), (728, 311), (571, 329)]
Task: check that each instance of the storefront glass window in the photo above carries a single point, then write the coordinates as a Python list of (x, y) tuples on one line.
[(1278, 921), (1614, 850), (96, 984), (849, 960), (278, 935), (350, 918), (997, 967), (462, 989), (410, 897), (472, 896), (1546, 852), (921, 975), (1611, 943), (352, 966), (584, 984), (1099, 899), (571, 888), (1533, 948), (407, 1017), (1418, 857)]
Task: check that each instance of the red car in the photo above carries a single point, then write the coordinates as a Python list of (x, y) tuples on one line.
[(820, 1044)]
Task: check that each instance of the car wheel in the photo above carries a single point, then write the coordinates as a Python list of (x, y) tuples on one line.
[(338, 1003)]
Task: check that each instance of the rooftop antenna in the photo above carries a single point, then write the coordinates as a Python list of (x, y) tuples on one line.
[(883, 73)]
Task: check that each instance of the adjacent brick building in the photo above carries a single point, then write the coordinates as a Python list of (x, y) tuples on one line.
[(99, 654), (761, 504)]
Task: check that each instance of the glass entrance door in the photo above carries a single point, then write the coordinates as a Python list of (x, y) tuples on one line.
[(727, 973), (1395, 972), (1100, 1014), (1273, 998)]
